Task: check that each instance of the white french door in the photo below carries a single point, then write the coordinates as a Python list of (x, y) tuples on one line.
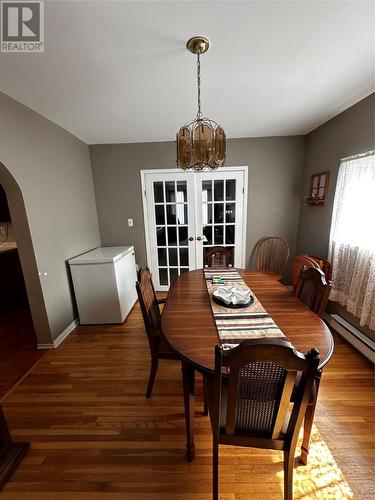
[(170, 225), (219, 200), (186, 213)]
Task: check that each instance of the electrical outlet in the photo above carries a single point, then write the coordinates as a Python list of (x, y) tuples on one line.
[(130, 223), (3, 228)]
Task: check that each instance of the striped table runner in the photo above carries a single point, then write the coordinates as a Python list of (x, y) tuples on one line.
[(236, 325)]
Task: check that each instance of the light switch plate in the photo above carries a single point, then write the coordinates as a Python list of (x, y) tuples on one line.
[(130, 223)]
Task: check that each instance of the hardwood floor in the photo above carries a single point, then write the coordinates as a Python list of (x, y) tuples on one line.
[(94, 435)]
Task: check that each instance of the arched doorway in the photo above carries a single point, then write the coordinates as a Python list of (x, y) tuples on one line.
[(23, 317)]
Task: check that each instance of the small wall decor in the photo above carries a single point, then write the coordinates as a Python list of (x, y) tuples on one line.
[(318, 189)]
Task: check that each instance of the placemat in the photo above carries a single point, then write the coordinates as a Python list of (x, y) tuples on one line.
[(236, 325)]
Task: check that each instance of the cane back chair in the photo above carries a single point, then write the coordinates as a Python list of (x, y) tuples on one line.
[(313, 289), (149, 303), (298, 263), (256, 405), (159, 348)]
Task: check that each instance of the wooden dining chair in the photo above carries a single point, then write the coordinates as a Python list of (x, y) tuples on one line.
[(272, 254), (149, 303), (313, 289), (159, 348), (253, 406), (298, 263), (219, 257)]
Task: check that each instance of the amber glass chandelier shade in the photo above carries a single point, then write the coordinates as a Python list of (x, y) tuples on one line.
[(201, 144)]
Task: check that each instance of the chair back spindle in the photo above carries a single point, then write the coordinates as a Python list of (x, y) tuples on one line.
[(272, 254)]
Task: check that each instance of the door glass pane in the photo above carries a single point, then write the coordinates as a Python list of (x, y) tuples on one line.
[(206, 191), (163, 276), (229, 235), (173, 257), (170, 192), (184, 270), (159, 214), (173, 273), (171, 214), (206, 213), (183, 236), (230, 212), (181, 191), (162, 256), (219, 212), (230, 190), (207, 232), (218, 235), (158, 192), (182, 217), (160, 236), (218, 190), (184, 257), (172, 236)]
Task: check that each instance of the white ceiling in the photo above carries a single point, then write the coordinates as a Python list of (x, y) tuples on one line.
[(119, 71)]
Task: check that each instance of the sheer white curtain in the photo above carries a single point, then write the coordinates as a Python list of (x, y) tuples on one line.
[(352, 238)]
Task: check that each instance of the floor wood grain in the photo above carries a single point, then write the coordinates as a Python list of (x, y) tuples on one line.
[(95, 436)]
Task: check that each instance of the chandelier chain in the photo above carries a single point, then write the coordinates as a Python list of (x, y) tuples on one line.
[(199, 114)]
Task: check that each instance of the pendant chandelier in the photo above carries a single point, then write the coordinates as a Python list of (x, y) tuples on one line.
[(201, 142)]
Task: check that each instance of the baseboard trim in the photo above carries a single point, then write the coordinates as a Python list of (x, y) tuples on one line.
[(61, 337), (356, 338)]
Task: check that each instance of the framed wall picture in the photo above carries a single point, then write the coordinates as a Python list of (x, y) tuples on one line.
[(318, 189)]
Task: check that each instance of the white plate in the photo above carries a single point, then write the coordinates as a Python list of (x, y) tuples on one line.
[(233, 295)]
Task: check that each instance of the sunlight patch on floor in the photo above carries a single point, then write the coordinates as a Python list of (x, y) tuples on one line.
[(321, 477)]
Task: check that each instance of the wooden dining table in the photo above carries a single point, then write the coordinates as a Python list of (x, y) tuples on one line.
[(189, 328)]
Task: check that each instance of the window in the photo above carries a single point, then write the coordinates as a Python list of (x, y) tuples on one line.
[(352, 238)]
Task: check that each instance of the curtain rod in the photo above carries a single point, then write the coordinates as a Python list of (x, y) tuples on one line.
[(361, 155)]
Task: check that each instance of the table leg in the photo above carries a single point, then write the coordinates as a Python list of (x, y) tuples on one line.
[(308, 423), (188, 380)]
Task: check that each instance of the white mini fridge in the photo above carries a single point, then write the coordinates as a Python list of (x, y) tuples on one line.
[(104, 284)]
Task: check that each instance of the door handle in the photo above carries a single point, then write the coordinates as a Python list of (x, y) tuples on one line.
[(199, 238), (191, 238)]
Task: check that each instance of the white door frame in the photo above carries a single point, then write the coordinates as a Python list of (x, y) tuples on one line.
[(143, 174)]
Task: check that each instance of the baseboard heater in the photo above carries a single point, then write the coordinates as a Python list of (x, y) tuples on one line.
[(350, 333)]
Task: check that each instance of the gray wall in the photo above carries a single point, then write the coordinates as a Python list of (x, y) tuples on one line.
[(349, 133), (275, 169), (52, 170)]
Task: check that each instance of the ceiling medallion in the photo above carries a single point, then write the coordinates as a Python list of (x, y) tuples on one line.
[(201, 142)]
